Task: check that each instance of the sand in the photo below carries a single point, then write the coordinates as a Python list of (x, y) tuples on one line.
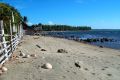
[(95, 63)]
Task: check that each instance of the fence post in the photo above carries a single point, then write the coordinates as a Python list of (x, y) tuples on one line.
[(11, 36), (21, 30), (3, 38)]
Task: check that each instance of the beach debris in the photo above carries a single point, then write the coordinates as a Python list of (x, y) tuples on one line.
[(4, 69), (33, 55), (62, 51), (26, 56), (43, 50), (38, 46), (47, 66), (79, 64), (22, 54)]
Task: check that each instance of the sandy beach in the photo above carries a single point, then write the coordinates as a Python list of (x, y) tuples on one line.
[(95, 63)]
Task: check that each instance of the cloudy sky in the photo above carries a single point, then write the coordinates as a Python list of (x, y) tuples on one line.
[(100, 14)]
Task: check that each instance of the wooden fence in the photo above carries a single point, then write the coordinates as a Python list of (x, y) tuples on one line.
[(7, 47)]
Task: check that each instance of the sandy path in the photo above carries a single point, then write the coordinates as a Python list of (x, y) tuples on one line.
[(98, 63)]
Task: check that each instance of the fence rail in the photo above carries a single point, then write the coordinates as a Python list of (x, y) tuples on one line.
[(7, 47), (7, 51)]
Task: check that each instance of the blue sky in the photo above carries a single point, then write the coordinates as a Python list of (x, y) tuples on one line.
[(100, 14)]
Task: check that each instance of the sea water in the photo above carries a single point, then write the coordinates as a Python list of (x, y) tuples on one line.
[(96, 33)]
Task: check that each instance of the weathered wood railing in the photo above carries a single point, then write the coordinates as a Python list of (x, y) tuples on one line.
[(6, 52), (7, 47)]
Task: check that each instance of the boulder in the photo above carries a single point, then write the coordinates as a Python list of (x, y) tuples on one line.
[(47, 66)]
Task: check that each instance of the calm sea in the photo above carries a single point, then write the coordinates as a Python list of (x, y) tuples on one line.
[(112, 34)]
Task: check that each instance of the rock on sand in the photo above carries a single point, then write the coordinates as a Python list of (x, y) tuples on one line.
[(4, 69), (47, 66)]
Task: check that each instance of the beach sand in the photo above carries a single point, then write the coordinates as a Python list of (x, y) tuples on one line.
[(95, 63)]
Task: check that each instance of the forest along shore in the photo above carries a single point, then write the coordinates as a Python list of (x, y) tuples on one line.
[(50, 58)]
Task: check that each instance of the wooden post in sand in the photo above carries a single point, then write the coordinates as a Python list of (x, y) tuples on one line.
[(11, 36), (13, 20), (3, 39)]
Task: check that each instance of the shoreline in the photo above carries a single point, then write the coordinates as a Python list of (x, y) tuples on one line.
[(99, 38), (94, 63), (84, 43)]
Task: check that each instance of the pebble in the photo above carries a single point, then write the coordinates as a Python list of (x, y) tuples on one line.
[(26, 56), (78, 64), (62, 51), (38, 46), (33, 55), (22, 54), (43, 50), (109, 74)]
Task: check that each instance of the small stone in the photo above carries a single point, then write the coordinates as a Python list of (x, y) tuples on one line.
[(4, 69), (103, 69), (26, 56), (43, 50), (47, 66), (109, 74), (33, 55), (101, 46), (22, 54), (93, 73), (38, 46), (62, 51), (86, 69), (78, 64)]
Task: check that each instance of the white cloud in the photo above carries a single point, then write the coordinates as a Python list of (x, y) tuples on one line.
[(50, 23)]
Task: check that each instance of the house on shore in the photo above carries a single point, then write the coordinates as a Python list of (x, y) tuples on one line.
[(30, 30)]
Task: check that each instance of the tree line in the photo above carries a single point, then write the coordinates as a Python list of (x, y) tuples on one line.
[(6, 12), (56, 27)]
